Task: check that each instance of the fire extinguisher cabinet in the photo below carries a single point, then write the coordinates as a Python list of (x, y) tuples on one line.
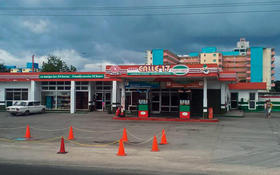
[(143, 109), (184, 109)]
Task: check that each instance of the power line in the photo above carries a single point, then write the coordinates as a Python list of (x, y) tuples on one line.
[(203, 5), (147, 14)]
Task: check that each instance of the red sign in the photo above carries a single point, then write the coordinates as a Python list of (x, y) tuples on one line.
[(197, 84)]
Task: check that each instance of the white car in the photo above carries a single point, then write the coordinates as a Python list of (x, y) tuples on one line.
[(26, 107)]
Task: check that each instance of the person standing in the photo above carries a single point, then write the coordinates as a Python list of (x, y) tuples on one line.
[(268, 108)]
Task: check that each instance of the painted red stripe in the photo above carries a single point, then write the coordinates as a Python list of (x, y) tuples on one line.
[(167, 119)]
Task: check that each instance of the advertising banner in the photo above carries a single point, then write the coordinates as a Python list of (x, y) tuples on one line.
[(70, 76)]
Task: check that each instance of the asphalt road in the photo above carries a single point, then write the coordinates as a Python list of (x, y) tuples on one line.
[(248, 145), (10, 169)]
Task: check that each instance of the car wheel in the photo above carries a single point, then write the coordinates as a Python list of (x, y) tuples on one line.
[(43, 110), (26, 113), (13, 114)]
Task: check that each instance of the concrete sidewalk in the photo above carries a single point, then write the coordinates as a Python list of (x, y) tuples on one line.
[(234, 113)]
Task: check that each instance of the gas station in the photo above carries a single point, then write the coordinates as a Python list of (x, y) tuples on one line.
[(178, 91)]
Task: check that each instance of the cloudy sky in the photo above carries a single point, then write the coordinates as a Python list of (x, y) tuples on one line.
[(119, 31)]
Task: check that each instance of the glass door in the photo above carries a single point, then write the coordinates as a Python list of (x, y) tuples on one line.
[(234, 100), (155, 102), (174, 101), (252, 101), (107, 100), (165, 101), (99, 101)]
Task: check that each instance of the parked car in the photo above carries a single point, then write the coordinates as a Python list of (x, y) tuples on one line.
[(26, 108)]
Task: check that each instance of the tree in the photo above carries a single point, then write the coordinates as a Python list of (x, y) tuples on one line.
[(3, 68), (277, 86), (55, 64)]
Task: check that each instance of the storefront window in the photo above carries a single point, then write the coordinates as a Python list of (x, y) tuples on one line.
[(49, 99), (63, 100), (12, 95), (56, 95), (9, 95)]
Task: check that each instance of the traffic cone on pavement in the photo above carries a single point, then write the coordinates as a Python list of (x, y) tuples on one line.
[(124, 138), (121, 151), (155, 145), (71, 135), (27, 133), (62, 147), (163, 138)]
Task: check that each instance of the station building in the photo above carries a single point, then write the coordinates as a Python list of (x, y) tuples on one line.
[(166, 85)]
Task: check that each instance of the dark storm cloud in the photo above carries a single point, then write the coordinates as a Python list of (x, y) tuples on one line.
[(116, 39)]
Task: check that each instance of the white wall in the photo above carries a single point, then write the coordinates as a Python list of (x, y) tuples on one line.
[(267, 67), (245, 94), (6, 85)]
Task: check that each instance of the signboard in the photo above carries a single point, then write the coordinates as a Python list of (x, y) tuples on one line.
[(71, 76), (158, 70), (146, 70), (197, 84), (141, 84)]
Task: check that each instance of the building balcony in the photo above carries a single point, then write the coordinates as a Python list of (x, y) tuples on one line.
[(190, 61), (168, 61), (272, 59), (272, 85), (248, 78), (248, 65), (235, 59), (242, 75), (273, 52), (272, 78), (170, 55), (171, 59), (273, 72), (248, 72), (248, 52), (241, 70), (272, 65), (234, 65)]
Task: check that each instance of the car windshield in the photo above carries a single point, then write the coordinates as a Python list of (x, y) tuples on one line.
[(20, 103)]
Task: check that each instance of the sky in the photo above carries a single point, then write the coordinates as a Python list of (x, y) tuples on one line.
[(88, 42)]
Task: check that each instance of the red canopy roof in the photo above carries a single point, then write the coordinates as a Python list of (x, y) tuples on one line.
[(248, 86)]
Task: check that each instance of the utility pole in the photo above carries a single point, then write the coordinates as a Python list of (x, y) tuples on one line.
[(32, 63)]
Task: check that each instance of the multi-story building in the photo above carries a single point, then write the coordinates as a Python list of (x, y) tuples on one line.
[(251, 64), (29, 68)]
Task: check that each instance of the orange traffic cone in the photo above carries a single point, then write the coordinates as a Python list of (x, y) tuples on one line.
[(27, 133), (124, 138), (163, 138), (155, 145), (62, 147), (121, 149), (71, 135)]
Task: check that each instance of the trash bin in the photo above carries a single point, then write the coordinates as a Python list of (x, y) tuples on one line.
[(210, 113)]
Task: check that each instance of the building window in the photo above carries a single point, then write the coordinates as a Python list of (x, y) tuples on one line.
[(15, 95), (214, 60), (81, 85), (56, 95), (214, 54), (53, 85)]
